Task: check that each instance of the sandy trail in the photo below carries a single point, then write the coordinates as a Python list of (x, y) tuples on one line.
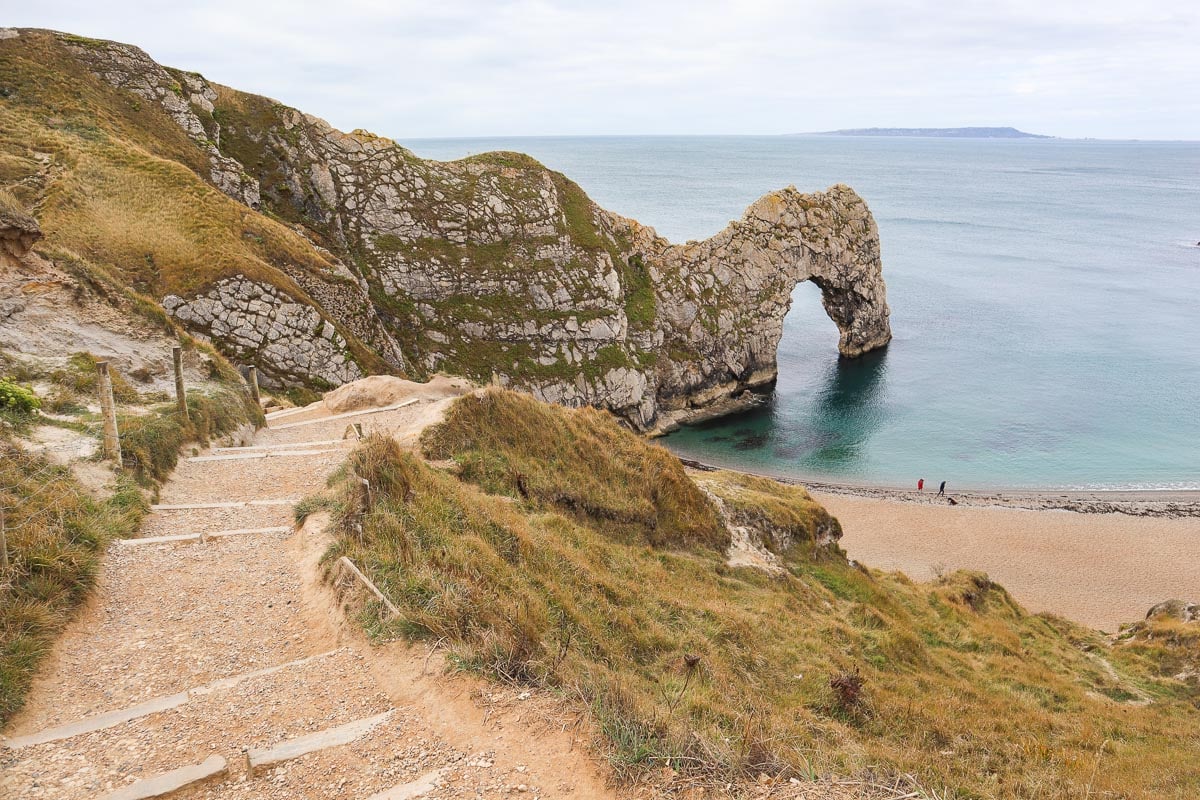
[(247, 647), (1098, 569), (209, 649)]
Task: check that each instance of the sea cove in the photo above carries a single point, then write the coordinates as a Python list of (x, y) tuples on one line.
[(1042, 296)]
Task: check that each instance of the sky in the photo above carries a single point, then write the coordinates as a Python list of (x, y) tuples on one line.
[(453, 68)]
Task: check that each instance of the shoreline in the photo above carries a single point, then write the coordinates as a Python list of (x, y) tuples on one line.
[(1103, 560), (1167, 503)]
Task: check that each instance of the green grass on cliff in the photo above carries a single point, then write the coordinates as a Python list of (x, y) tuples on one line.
[(564, 552)]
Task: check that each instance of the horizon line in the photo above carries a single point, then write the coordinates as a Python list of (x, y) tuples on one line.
[(823, 134)]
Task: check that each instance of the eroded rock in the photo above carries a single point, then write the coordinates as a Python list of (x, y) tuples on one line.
[(257, 323), (497, 268)]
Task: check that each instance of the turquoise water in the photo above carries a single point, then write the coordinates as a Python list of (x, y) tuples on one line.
[(1045, 303)]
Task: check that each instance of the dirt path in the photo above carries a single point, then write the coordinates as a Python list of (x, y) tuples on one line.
[(234, 643), (220, 660)]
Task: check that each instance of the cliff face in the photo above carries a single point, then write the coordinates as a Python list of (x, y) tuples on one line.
[(492, 266), (722, 301)]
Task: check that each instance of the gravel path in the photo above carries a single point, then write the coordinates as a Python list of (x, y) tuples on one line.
[(252, 648), (177, 617)]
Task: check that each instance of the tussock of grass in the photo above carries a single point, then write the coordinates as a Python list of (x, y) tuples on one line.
[(150, 442), (56, 534), (79, 377), (1166, 646), (578, 461), (685, 662)]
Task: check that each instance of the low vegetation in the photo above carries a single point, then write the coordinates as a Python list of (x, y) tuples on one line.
[(56, 528), (151, 440), (581, 464), (560, 551), (17, 399), (56, 532)]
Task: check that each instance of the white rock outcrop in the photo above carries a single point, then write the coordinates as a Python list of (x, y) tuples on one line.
[(497, 268), (257, 323)]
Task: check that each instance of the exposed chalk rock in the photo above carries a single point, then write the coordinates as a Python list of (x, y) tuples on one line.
[(495, 266), (257, 323)]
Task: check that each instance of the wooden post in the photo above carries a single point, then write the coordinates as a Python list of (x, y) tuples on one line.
[(180, 397), (108, 407), (348, 564), (3, 549), (252, 377), (366, 499)]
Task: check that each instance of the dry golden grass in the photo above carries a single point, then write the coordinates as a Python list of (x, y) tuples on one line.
[(56, 533), (124, 188), (684, 661), (577, 461), (162, 227)]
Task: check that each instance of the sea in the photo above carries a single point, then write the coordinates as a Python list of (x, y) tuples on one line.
[(1045, 299)]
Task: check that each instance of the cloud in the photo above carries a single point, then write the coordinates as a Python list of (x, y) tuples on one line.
[(456, 68)]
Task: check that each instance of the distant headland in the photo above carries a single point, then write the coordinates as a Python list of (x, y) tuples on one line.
[(939, 133)]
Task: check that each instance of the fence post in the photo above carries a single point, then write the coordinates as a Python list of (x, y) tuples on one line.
[(108, 407), (3, 549), (180, 396), (252, 377), (366, 499)]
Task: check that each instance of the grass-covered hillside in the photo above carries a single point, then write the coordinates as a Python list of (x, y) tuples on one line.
[(552, 548), (175, 185), (114, 180)]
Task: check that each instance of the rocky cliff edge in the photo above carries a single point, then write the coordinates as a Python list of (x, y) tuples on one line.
[(493, 267)]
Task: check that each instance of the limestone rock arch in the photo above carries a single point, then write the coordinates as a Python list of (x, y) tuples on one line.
[(722, 301)]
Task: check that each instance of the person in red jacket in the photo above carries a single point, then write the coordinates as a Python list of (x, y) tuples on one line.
[(921, 485)]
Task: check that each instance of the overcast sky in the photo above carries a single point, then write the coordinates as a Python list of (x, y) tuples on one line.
[(1104, 68)]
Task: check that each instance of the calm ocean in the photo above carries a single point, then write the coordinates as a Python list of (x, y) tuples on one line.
[(1045, 303)]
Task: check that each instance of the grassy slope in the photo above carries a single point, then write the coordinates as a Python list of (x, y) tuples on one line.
[(685, 661), (124, 189)]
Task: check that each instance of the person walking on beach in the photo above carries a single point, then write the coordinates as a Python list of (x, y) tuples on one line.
[(942, 490), (920, 484)]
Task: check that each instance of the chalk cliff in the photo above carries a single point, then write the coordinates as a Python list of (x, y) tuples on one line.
[(492, 266)]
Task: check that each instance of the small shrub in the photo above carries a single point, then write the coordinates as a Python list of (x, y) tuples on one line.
[(14, 397), (848, 697)]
